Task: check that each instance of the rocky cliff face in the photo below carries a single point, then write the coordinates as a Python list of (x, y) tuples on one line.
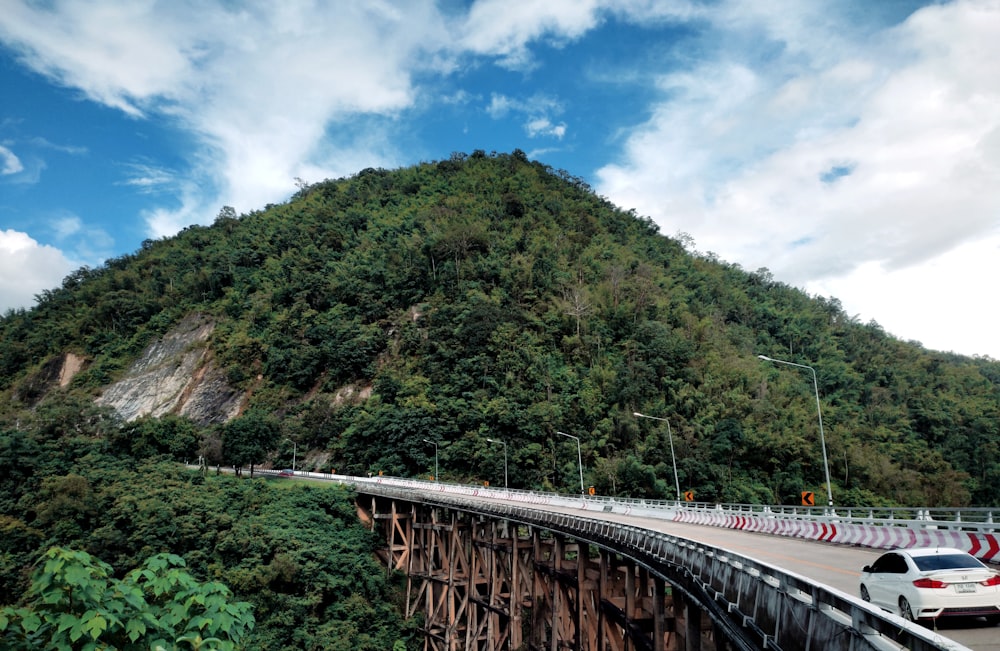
[(176, 375)]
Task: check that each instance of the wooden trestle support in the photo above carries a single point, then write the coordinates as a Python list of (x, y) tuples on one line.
[(488, 584)]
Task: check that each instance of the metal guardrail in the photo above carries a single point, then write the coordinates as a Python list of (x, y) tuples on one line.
[(765, 606), (758, 606), (984, 520)]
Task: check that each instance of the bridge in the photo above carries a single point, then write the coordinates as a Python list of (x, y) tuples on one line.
[(492, 569)]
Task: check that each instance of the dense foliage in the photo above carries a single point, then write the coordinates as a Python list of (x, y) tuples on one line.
[(297, 555), (74, 602), (490, 296), (377, 321)]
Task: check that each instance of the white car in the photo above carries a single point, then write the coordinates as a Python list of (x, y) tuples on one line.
[(923, 584)]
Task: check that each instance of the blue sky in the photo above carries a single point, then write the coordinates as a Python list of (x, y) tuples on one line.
[(850, 147)]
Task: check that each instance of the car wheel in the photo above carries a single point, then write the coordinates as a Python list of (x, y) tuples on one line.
[(905, 611), (864, 594)]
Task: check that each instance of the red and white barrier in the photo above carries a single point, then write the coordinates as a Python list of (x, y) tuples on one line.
[(985, 546)]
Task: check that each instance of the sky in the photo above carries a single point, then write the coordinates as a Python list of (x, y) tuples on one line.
[(850, 147)]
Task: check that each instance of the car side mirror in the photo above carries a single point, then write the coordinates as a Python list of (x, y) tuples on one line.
[(867, 568)]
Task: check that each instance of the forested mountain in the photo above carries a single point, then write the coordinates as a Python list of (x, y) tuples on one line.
[(372, 322), (490, 296)]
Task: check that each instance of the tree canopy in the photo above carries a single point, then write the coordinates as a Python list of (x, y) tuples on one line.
[(488, 295), (481, 296), (75, 602)]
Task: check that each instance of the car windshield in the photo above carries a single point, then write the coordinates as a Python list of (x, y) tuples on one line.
[(946, 562)]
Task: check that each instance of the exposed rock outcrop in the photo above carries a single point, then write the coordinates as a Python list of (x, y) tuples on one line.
[(176, 375), (352, 394), (72, 364)]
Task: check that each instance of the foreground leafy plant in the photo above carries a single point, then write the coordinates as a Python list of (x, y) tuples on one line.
[(75, 603)]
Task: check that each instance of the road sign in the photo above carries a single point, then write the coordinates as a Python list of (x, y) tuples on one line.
[(808, 498), (591, 491), (688, 496)]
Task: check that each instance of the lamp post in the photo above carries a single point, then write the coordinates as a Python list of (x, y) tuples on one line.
[(579, 456), (435, 458), (293, 453), (673, 457), (819, 414), (504, 460)]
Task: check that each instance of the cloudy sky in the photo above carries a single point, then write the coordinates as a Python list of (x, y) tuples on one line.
[(850, 147)]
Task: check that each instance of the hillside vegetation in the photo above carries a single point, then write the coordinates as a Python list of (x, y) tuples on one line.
[(373, 321), (490, 296)]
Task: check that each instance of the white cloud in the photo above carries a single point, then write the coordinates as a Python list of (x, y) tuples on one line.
[(944, 304), (260, 84), (118, 54), (538, 111), (27, 169), (839, 156), (43, 143), (543, 127), (275, 91), (81, 240), (149, 178), (459, 98), (67, 226), (297, 77), (27, 267), (793, 136), (164, 222), (500, 106), (504, 29), (9, 163)]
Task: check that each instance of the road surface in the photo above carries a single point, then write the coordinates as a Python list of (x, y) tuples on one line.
[(837, 566)]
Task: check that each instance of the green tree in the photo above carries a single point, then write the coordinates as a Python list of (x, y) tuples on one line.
[(146, 437), (75, 603), (488, 294), (247, 440)]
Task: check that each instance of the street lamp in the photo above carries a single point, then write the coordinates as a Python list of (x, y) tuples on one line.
[(822, 439), (579, 457), (435, 458), (504, 460), (293, 453), (673, 457)]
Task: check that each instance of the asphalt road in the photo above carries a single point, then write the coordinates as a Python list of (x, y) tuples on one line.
[(837, 566)]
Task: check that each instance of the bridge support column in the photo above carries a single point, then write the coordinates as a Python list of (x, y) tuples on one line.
[(659, 615), (438, 582), (541, 607), (500, 583), (691, 624), (588, 600), (560, 612), (475, 579)]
